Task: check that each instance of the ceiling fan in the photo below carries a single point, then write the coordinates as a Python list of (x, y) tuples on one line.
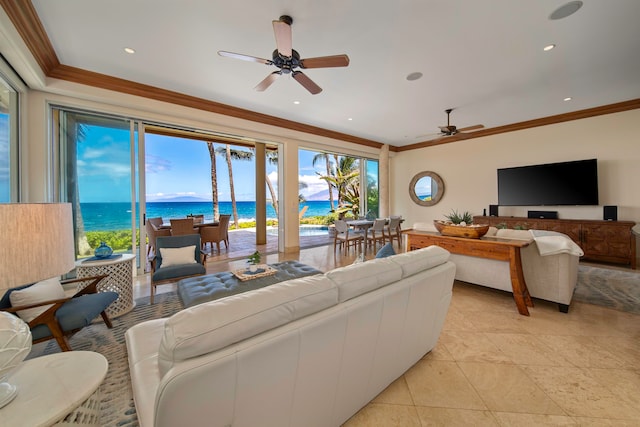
[(450, 130), (287, 59)]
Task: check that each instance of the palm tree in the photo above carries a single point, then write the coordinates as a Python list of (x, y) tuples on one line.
[(214, 180), (76, 133), (347, 181), (272, 157), (320, 157), (235, 155)]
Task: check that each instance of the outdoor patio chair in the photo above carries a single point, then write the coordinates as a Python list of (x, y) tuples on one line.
[(180, 227), (197, 219), (152, 227), (216, 233), (65, 315), (176, 258)]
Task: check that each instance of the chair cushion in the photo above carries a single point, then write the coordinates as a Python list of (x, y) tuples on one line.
[(175, 271), (178, 256), (46, 290), (385, 251), (77, 313)]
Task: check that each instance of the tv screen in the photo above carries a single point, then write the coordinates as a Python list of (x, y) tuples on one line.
[(552, 184)]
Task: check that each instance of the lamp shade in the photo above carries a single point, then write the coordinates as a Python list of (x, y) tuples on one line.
[(37, 242)]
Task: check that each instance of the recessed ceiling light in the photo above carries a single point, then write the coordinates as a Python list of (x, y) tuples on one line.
[(414, 76), (296, 102), (565, 10), (548, 47), (129, 50), (350, 119), (568, 98)]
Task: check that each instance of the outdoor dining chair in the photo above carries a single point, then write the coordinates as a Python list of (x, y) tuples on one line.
[(216, 233), (180, 227)]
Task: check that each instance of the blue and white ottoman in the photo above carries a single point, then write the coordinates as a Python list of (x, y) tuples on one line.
[(196, 290)]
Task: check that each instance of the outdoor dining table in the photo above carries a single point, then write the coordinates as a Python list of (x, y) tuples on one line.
[(167, 225)]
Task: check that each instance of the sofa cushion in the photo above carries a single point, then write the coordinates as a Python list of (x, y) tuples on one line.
[(46, 290), (357, 279), (413, 262), (214, 325)]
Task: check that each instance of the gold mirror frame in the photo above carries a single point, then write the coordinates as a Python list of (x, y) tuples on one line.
[(436, 182)]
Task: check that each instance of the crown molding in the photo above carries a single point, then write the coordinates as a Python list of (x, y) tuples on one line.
[(550, 120)]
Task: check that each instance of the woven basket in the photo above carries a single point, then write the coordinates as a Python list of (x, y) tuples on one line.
[(470, 231)]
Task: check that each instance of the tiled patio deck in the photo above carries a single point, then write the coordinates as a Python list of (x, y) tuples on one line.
[(242, 243)]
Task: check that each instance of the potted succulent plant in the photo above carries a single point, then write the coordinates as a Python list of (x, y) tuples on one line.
[(254, 260), (465, 218)]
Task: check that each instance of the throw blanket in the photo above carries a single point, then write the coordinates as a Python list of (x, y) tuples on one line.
[(552, 242)]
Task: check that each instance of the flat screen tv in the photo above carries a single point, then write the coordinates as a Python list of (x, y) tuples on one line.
[(552, 184)]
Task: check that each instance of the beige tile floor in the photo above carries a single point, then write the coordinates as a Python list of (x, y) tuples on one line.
[(494, 367)]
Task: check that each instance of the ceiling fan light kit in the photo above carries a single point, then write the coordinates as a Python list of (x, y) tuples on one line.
[(287, 60)]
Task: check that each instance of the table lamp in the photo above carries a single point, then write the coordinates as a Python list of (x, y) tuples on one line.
[(37, 244)]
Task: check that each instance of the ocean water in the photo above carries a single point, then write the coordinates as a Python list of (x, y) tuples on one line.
[(117, 216)]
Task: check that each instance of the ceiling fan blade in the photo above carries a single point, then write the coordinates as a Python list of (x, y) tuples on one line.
[(268, 81), (325, 61), (468, 128), (282, 31), (306, 82), (244, 57)]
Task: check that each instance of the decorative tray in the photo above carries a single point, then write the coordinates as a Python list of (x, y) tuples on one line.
[(261, 270)]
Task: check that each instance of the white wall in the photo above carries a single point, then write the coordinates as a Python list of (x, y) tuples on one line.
[(468, 167)]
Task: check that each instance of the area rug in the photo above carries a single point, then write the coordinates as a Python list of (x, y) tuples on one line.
[(117, 408), (617, 289)]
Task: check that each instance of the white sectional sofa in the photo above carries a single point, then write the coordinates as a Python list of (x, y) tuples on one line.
[(305, 352), (549, 264)]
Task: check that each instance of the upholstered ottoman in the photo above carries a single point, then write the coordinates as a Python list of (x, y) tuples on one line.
[(196, 290)]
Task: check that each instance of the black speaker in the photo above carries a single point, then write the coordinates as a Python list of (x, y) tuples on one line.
[(493, 210), (543, 214), (610, 213)]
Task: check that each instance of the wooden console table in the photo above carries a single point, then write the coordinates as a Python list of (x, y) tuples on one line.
[(485, 247)]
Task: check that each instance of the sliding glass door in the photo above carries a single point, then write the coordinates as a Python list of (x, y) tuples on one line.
[(98, 161)]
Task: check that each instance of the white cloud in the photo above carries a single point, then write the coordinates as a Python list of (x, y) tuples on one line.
[(314, 184)]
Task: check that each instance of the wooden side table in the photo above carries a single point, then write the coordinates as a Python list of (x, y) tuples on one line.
[(120, 280), (58, 389)]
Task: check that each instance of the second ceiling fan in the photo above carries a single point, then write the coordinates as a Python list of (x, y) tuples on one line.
[(286, 59), (450, 130)]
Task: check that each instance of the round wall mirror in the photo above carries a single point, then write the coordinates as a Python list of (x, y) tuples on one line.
[(426, 188)]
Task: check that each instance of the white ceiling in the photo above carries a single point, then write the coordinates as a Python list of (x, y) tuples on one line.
[(483, 58)]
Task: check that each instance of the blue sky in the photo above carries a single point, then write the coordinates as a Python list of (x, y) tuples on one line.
[(175, 167)]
